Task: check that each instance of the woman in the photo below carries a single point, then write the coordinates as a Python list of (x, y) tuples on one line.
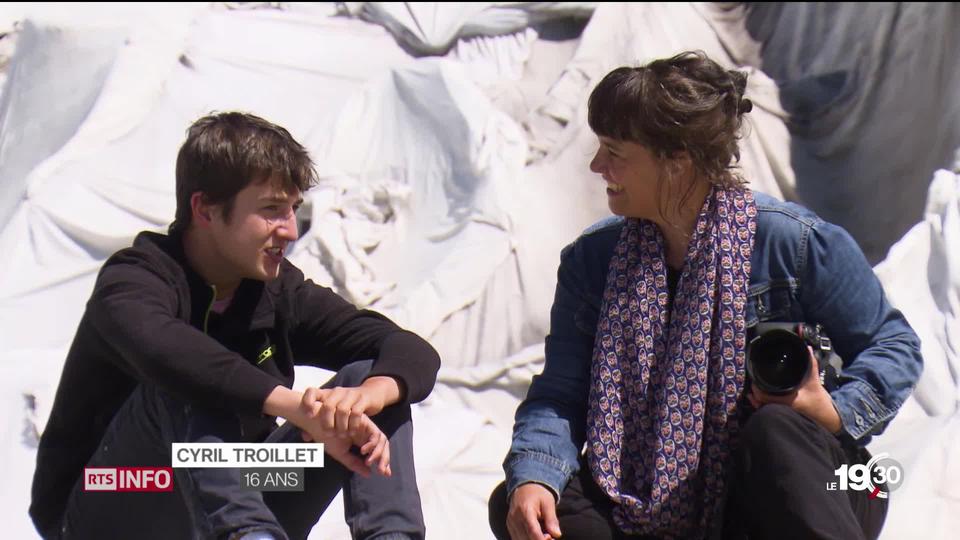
[(645, 361)]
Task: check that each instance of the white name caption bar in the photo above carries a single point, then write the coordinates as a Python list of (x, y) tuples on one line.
[(240, 455)]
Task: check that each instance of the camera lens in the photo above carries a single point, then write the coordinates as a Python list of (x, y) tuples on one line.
[(777, 361)]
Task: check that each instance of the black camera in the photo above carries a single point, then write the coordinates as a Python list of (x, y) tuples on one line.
[(778, 361)]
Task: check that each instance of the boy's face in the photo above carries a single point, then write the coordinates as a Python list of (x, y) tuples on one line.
[(252, 242)]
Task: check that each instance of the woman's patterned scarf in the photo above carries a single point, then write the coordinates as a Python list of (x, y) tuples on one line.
[(665, 380)]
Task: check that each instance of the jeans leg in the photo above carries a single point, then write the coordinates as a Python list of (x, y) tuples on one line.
[(377, 507), (298, 512), (204, 503)]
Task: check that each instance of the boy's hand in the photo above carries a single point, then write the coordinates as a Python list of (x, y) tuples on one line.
[(364, 433), (303, 410), (343, 407)]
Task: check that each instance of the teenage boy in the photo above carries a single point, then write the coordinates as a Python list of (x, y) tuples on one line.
[(192, 337)]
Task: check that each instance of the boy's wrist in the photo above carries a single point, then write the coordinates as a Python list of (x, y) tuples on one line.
[(382, 390), (283, 402)]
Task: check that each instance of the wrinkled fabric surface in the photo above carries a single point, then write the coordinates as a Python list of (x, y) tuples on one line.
[(451, 183)]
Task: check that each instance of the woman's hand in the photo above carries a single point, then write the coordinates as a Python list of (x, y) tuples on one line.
[(533, 514), (811, 399)]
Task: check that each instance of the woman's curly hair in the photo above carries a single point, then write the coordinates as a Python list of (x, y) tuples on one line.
[(686, 103)]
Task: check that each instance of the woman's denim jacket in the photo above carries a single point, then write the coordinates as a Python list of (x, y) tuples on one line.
[(803, 269)]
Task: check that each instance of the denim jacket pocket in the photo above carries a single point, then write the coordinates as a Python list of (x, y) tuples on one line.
[(770, 300)]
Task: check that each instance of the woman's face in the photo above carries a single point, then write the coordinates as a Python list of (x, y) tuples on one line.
[(632, 174)]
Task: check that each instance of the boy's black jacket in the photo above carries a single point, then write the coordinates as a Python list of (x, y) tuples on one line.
[(149, 321)]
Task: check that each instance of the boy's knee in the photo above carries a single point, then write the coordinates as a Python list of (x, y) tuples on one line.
[(352, 374)]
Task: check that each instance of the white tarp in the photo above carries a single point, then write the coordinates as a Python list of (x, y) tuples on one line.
[(432, 28), (922, 277), (449, 186), (871, 89)]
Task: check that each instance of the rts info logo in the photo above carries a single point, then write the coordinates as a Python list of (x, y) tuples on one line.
[(128, 479), (879, 476)]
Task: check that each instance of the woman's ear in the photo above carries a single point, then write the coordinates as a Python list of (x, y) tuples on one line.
[(680, 167), (682, 162)]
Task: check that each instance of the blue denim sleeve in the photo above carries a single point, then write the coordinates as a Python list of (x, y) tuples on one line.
[(880, 351), (549, 426)]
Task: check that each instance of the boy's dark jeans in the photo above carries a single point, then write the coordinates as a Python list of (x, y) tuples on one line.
[(210, 504)]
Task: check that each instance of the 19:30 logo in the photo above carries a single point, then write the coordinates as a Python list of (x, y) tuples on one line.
[(879, 476)]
